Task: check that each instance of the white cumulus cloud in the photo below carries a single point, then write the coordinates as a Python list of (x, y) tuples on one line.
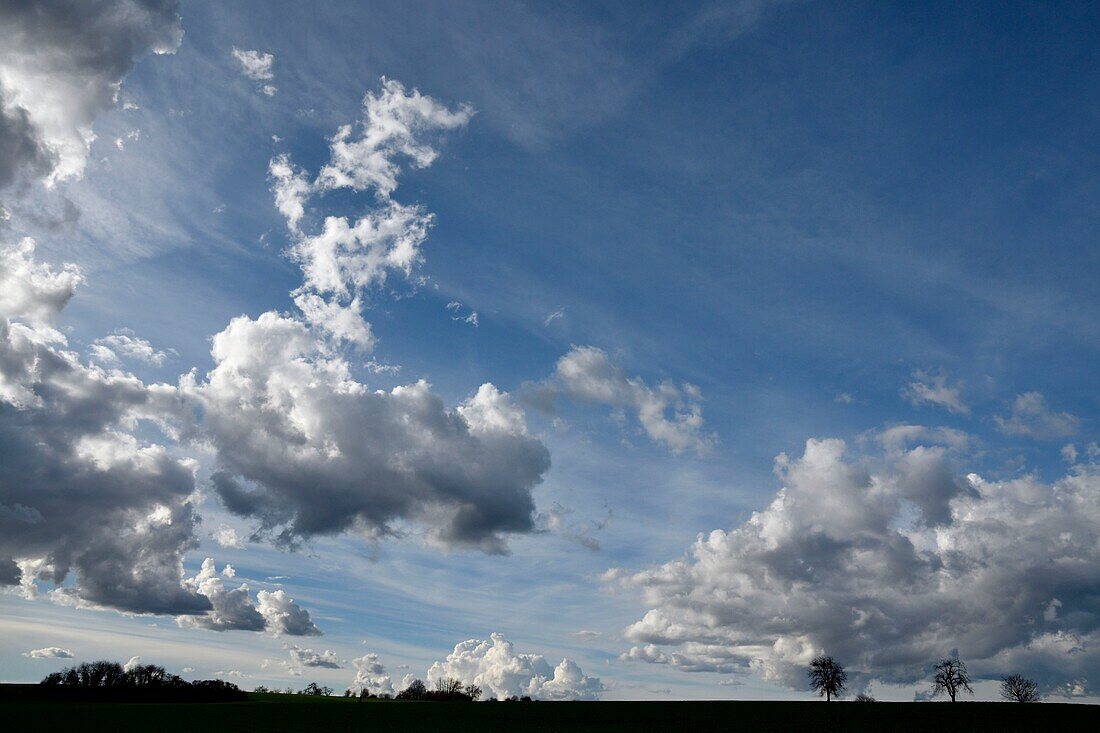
[(371, 676), (233, 609), (396, 124), (501, 672), (886, 567), (282, 616), (344, 259), (124, 343)]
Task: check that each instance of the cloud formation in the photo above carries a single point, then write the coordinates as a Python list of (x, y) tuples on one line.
[(1032, 418), (125, 344), (501, 672), (257, 67), (227, 537), (307, 450), (397, 124), (559, 519), (282, 616), (80, 495), (61, 64), (303, 447), (343, 260), (233, 609), (49, 652), (371, 676), (886, 566), (455, 308), (933, 389), (31, 291), (671, 416), (308, 658)]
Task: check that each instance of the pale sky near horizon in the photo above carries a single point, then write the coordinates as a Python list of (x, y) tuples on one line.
[(682, 342)]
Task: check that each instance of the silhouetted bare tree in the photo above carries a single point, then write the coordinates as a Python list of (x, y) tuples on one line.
[(150, 675), (447, 689), (950, 677), (316, 690), (827, 677), (415, 691), (449, 686), (1017, 688)]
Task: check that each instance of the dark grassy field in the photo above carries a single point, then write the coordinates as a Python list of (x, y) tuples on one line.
[(19, 711)]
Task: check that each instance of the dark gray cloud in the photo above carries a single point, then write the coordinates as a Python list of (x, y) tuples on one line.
[(78, 493), (308, 451), (81, 496), (22, 155), (887, 566), (9, 572), (61, 64), (309, 658)]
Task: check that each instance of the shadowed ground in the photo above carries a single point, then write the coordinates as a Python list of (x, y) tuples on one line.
[(19, 711)]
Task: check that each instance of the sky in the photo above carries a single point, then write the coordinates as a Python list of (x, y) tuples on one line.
[(581, 350)]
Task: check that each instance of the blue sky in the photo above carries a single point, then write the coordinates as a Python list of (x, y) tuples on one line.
[(810, 220)]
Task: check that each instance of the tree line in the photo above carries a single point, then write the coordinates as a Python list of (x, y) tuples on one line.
[(149, 682), (105, 680), (949, 677), (446, 690)]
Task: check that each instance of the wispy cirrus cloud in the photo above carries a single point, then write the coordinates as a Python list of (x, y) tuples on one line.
[(1031, 417), (927, 388), (49, 652)]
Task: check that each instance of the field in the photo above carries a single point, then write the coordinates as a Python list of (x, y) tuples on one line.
[(19, 711)]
